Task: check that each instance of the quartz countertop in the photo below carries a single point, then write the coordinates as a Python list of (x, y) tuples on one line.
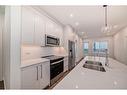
[(30, 62), (115, 76)]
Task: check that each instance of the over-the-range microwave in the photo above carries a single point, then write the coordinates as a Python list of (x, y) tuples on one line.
[(51, 40)]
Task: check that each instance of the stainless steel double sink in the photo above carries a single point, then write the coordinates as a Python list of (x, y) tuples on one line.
[(94, 65)]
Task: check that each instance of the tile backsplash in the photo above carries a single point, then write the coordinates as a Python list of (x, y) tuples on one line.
[(32, 52)]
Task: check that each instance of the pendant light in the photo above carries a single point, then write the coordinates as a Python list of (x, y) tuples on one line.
[(106, 28)]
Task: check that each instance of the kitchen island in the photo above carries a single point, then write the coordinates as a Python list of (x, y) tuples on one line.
[(115, 76)]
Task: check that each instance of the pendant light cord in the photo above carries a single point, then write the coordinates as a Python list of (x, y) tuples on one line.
[(106, 16), (105, 12)]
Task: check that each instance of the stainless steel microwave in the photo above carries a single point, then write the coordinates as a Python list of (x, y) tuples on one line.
[(51, 41)]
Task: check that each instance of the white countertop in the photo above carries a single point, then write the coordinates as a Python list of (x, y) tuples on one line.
[(30, 62), (115, 76)]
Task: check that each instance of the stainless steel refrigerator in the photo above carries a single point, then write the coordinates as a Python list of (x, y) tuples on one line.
[(71, 57)]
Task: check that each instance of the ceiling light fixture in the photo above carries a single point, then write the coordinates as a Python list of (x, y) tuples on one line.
[(106, 28), (71, 15)]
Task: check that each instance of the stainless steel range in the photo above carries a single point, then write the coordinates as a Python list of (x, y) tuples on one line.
[(56, 67)]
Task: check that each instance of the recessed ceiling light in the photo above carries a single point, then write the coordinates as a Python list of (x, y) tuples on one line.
[(71, 15), (77, 23)]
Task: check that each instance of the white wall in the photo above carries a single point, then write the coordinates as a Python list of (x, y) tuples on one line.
[(11, 47), (110, 44), (68, 35), (120, 46), (1, 32), (78, 47)]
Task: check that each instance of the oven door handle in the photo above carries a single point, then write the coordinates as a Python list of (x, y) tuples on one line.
[(56, 62)]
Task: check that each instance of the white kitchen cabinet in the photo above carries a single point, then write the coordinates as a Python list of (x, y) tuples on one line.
[(29, 77), (50, 27), (59, 32), (39, 29), (45, 77), (27, 24), (65, 64), (35, 25), (36, 76)]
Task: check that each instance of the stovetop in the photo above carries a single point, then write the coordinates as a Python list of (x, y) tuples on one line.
[(52, 57)]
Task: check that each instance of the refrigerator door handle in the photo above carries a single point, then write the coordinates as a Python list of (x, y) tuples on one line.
[(70, 53)]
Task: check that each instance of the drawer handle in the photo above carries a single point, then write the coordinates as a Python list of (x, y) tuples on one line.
[(41, 71), (37, 72)]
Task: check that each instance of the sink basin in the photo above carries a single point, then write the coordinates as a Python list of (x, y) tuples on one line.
[(94, 67), (94, 63)]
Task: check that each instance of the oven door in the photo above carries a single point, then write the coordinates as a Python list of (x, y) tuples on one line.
[(56, 68)]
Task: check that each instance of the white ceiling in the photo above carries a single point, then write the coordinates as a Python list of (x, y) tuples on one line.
[(89, 19)]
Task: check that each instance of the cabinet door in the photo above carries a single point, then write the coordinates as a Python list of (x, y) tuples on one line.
[(50, 27), (27, 25), (39, 30), (65, 64), (59, 32), (30, 77), (45, 77)]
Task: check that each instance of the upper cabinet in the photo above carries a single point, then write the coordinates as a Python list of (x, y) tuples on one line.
[(39, 29), (35, 25), (54, 29), (50, 27), (59, 33), (27, 24)]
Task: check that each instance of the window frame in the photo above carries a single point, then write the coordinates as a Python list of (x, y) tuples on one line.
[(99, 45), (84, 48)]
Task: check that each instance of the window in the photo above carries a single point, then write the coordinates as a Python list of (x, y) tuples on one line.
[(86, 46), (100, 46)]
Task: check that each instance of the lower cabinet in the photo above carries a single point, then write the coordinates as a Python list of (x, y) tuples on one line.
[(65, 64), (45, 79), (35, 76)]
